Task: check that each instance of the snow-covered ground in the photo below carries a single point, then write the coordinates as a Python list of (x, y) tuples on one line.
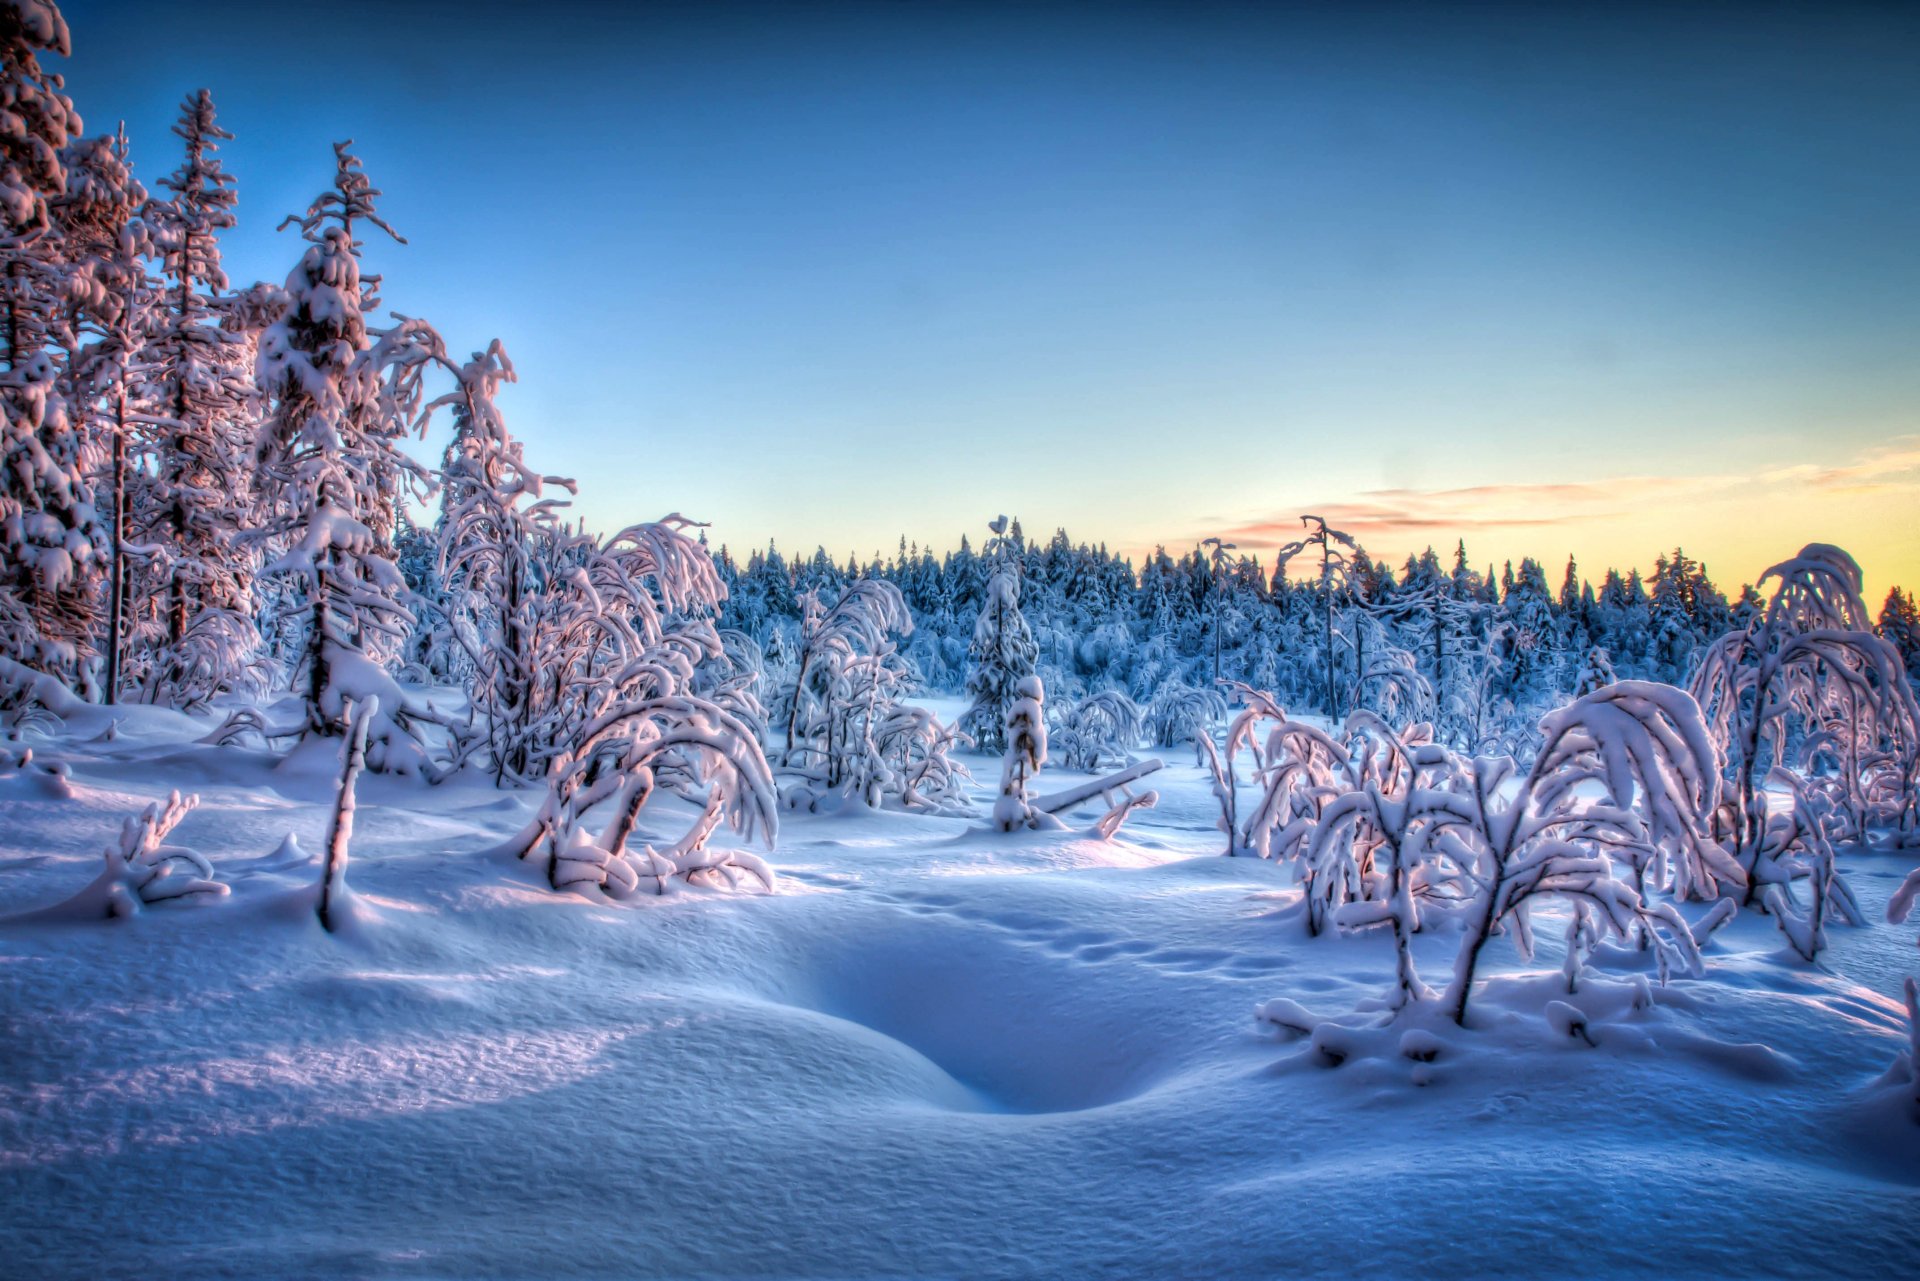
[(936, 1052)]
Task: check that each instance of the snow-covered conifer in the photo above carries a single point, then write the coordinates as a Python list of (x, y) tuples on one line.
[(50, 533), (198, 356), (1003, 650), (497, 535), (341, 394)]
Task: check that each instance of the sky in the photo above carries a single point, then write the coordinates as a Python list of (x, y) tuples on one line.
[(1555, 280)]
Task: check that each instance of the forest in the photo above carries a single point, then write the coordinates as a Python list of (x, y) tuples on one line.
[(303, 726)]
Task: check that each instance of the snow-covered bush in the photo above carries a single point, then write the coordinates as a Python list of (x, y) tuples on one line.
[(678, 743), (1180, 713), (1809, 662), (1797, 843), (143, 871), (622, 651), (1103, 726), (846, 683), (1630, 765), (1373, 851), (918, 752)]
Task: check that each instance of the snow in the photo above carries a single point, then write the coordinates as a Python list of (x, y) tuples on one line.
[(936, 1051)]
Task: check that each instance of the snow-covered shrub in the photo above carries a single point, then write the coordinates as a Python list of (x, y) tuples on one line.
[(1104, 726), (1630, 765), (1180, 713), (679, 743), (846, 686), (1372, 845), (917, 750), (1796, 842), (1298, 770), (142, 870), (1809, 662), (620, 651)]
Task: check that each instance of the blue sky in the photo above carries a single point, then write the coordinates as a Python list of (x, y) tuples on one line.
[(1559, 280)]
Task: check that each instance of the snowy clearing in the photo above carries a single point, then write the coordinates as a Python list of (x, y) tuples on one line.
[(937, 1051)]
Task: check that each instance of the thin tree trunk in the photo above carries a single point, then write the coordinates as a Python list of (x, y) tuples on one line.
[(333, 883), (116, 607)]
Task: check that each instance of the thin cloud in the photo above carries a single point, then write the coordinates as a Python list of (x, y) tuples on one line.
[(1389, 515), (1398, 517), (1892, 465)]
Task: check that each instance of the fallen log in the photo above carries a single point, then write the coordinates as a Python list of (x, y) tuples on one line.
[(1054, 802)]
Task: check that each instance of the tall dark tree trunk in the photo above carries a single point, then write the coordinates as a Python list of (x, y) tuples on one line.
[(117, 580)]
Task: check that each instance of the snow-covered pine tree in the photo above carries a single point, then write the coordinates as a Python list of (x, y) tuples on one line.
[(50, 533), (101, 321), (1003, 650), (340, 395), (202, 638)]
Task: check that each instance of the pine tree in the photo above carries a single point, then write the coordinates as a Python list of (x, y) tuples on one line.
[(1003, 650), (50, 534), (341, 394), (101, 321), (202, 638)]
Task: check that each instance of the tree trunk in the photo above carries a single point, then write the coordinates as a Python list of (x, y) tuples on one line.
[(333, 883), (117, 579)]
